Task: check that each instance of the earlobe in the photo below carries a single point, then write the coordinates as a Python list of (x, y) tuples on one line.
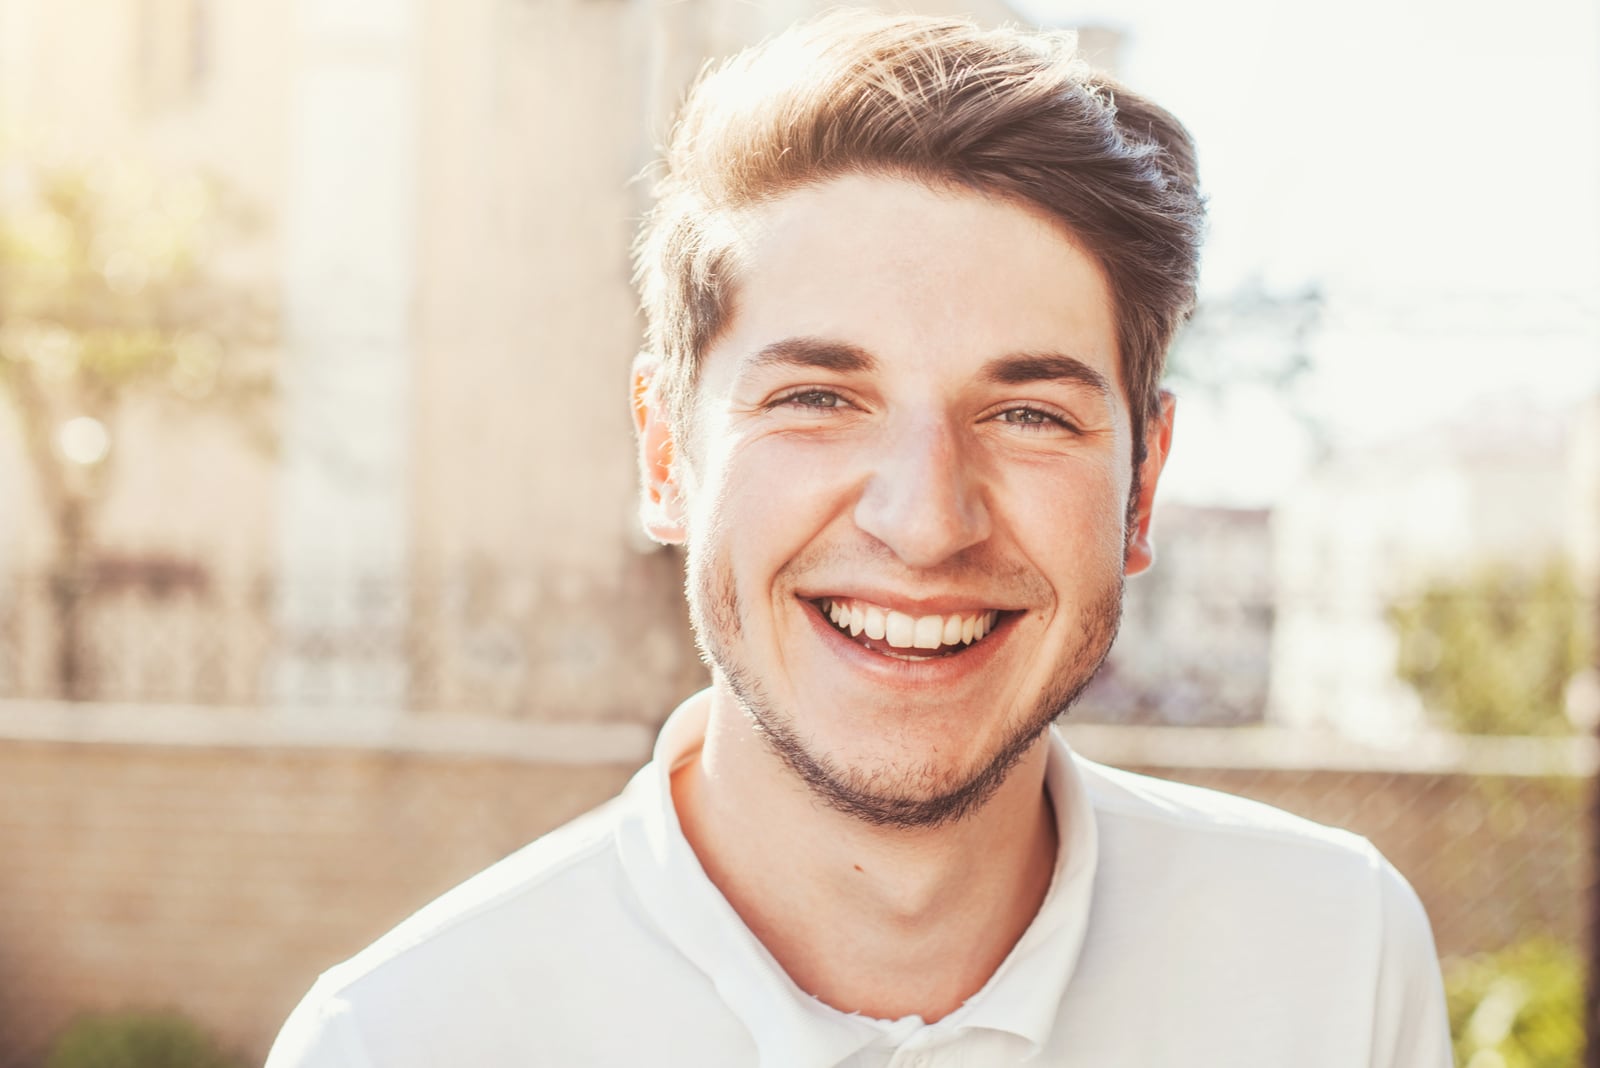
[(1158, 442), (660, 504)]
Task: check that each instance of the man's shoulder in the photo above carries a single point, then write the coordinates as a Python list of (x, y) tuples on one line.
[(524, 963), (1137, 801), (1192, 884), (532, 894)]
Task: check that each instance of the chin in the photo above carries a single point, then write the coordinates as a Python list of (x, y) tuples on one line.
[(897, 790)]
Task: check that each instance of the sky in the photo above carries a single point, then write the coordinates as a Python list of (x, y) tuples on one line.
[(1432, 167)]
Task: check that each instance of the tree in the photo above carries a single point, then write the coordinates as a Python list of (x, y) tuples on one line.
[(1495, 652), (112, 287), (1250, 335)]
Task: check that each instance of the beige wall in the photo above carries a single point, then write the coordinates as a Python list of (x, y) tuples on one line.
[(523, 463)]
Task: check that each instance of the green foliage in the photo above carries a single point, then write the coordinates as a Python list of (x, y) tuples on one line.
[(115, 288), (1493, 654), (1519, 1008), (137, 1040)]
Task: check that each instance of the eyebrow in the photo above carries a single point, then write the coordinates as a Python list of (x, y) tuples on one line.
[(814, 352), (1024, 367), (1014, 369)]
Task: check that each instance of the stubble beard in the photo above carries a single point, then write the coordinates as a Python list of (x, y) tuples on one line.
[(882, 798)]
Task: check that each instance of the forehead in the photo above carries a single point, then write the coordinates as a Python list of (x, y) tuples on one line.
[(931, 280)]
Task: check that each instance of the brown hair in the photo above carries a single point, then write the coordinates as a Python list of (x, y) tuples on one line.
[(1003, 112)]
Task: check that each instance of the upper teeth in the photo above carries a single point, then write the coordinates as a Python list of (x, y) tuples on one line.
[(909, 632)]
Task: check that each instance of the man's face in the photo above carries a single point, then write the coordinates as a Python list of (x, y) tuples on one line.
[(904, 490)]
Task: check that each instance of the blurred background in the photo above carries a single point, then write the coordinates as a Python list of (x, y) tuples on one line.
[(320, 584)]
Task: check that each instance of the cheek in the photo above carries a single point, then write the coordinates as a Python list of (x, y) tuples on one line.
[(772, 497), (1067, 515)]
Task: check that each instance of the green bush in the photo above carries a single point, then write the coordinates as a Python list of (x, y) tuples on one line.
[(1521, 1007), (1493, 652), (137, 1040)]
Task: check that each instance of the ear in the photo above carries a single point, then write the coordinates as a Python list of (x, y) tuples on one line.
[(660, 505), (1158, 442)]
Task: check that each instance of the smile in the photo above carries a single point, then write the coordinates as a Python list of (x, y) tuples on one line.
[(885, 631)]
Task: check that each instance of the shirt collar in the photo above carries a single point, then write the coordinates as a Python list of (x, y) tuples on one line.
[(792, 1029)]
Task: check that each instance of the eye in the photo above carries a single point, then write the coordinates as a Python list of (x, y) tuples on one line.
[(1032, 419), (814, 399)]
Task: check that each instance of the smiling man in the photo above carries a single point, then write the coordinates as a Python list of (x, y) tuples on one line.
[(910, 287)]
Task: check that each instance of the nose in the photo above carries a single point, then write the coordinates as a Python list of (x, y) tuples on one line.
[(924, 498)]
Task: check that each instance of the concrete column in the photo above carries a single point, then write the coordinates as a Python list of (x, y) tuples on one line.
[(350, 229)]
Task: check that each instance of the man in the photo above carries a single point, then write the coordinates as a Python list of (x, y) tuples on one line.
[(909, 287)]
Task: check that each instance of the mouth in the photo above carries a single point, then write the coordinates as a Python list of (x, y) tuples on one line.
[(906, 637)]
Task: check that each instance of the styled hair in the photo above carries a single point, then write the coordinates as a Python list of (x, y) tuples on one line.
[(1007, 113)]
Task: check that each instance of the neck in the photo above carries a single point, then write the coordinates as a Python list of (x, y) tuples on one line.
[(887, 922)]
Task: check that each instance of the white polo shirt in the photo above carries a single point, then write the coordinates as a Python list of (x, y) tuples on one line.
[(1183, 929)]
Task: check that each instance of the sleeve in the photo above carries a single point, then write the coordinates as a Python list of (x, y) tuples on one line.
[(1410, 1026), (320, 1033)]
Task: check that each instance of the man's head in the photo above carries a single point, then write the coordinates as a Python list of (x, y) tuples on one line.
[(910, 286), (1003, 112)]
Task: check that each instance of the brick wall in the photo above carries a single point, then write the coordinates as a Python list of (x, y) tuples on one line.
[(220, 880)]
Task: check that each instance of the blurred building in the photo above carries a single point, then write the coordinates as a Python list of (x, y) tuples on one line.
[(1196, 638), (445, 190), (1375, 526)]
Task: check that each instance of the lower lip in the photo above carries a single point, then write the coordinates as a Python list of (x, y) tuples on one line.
[(931, 671)]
